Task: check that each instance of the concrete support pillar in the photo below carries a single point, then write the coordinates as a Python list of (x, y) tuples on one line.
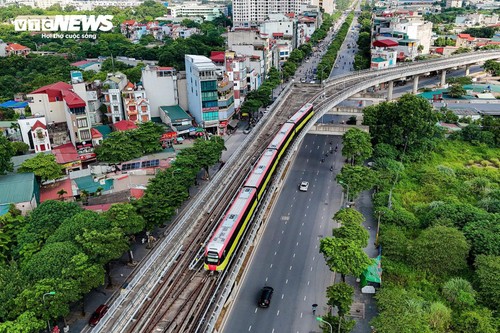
[(415, 85), (467, 70), (443, 77), (390, 89)]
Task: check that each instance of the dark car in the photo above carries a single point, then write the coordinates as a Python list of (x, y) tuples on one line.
[(265, 297), (98, 314)]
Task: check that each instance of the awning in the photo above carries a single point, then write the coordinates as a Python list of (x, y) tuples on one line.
[(244, 114), (233, 123)]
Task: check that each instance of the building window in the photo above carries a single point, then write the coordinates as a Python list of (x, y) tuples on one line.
[(82, 123), (208, 116), (85, 135), (114, 98), (115, 108)]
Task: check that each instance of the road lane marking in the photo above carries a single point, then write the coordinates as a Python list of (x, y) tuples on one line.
[(271, 266), (256, 310), (300, 233), (282, 296), (308, 282), (294, 255), (305, 297), (290, 267), (314, 257), (250, 328), (277, 314), (286, 282), (275, 253), (311, 268), (297, 244), (279, 242)]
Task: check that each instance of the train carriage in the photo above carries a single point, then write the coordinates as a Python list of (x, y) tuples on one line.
[(230, 230), (301, 117), (262, 172)]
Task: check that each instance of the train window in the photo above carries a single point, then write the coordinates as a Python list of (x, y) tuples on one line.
[(212, 257)]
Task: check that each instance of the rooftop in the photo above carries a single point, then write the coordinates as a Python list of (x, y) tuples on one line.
[(124, 125), (175, 113), (65, 153), (18, 187)]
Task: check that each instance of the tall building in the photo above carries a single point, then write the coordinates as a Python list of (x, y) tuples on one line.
[(248, 13), (112, 90), (161, 87), (202, 91), (136, 104)]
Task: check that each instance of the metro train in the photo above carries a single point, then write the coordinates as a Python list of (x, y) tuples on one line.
[(226, 237)]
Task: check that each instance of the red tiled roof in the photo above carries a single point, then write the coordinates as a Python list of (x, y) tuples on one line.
[(65, 153), (130, 85), (72, 99), (129, 22), (385, 43), (124, 125), (136, 193), (466, 36), (278, 34), (165, 68), (17, 47), (79, 63), (95, 133), (217, 56), (291, 15), (50, 192), (37, 124), (59, 91)]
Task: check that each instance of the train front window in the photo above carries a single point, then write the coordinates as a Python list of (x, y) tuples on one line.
[(212, 258)]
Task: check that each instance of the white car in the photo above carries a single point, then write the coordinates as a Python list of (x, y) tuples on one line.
[(304, 186)]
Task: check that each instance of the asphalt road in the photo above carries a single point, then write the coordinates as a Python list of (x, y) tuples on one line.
[(287, 257)]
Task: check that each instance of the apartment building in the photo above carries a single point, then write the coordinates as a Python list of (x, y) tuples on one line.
[(252, 43), (197, 9), (136, 105), (161, 87), (250, 13), (201, 75), (112, 91)]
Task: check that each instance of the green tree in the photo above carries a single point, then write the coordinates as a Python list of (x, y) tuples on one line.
[(345, 215), (353, 231), (125, 217), (44, 166), (400, 311), (456, 91), (344, 256), (479, 320), (484, 236), (440, 250), (42, 223), (21, 148), (492, 66), (340, 295), (6, 153), (439, 317), (50, 261), (355, 179), (356, 145), (408, 124), (488, 280), (459, 293), (394, 242), (13, 282)]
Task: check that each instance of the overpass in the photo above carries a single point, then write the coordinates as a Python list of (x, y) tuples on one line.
[(335, 90)]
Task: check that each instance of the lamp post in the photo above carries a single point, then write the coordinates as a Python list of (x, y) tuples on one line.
[(51, 293), (347, 185), (325, 322)]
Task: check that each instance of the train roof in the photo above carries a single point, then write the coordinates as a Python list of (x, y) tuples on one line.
[(231, 220), (304, 110), (265, 162), (279, 138)]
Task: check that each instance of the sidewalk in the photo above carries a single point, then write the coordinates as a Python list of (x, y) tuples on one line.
[(364, 307)]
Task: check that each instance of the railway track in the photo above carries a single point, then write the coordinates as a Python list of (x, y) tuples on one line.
[(176, 302), (172, 290)]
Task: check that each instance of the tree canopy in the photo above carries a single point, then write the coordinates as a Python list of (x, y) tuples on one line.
[(356, 145), (407, 124), (6, 153), (44, 166)]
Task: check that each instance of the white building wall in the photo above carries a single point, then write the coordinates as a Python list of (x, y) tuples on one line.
[(53, 111), (160, 88)]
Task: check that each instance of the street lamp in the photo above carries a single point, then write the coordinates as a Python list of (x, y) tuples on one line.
[(347, 185), (51, 293), (325, 322)]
